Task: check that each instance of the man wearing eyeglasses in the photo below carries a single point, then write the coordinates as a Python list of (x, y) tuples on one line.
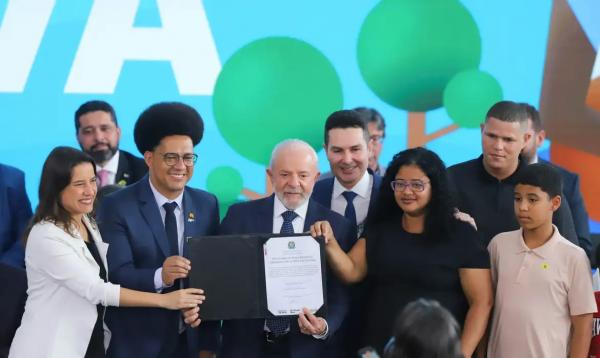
[(146, 224), (98, 134), (376, 129)]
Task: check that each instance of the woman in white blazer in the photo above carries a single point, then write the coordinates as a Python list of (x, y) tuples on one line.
[(66, 269)]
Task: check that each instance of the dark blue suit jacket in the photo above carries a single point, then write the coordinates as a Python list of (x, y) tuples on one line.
[(130, 168), (324, 189), (130, 221), (15, 212), (578, 212), (350, 335), (245, 338)]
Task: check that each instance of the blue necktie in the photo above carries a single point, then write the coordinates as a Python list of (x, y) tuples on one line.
[(350, 212), (171, 227), (280, 325)]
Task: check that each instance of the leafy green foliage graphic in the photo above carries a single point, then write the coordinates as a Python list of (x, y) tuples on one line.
[(274, 89)]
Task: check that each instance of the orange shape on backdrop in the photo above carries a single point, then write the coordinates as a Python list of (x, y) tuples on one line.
[(588, 167), (593, 96)]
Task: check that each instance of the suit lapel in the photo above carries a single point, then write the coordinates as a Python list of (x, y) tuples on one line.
[(374, 191), (313, 214), (100, 245), (322, 192), (123, 171), (194, 221), (151, 214), (263, 217)]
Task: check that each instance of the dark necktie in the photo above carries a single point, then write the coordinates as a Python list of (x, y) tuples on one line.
[(280, 325), (350, 212), (171, 227)]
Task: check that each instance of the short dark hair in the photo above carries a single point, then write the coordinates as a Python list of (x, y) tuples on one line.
[(508, 111), (371, 115), (166, 119), (439, 220), (56, 176), (543, 176), (425, 329), (93, 106), (346, 118), (534, 115)]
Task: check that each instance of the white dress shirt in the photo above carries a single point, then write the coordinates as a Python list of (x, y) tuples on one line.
[(361, 202), (111, 168), (297, 223), (160, 201)]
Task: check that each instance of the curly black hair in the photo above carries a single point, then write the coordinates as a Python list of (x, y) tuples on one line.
[(439, 217)]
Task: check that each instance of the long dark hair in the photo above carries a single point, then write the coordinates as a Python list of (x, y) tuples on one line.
[(425, 329), (439, 212), (56, 176)]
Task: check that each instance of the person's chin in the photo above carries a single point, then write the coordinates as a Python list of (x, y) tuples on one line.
[(293, 201), (101, 156)]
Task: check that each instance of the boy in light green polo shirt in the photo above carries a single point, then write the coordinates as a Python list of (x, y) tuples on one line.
[(544, 298)]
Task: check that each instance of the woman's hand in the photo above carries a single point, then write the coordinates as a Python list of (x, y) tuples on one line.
[(459, 215), (185, 298), (191, 316), (322, 228)]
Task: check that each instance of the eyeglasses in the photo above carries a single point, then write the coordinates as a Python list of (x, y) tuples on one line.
[(376, 138), (171, 159), (414, 185)]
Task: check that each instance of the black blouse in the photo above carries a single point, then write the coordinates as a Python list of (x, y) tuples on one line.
[(96, 346), (404, 267)]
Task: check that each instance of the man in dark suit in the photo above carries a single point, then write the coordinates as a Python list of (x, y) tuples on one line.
[(98, 134), (353, 188), (146, 225), (293, 172), (350, 192), (15, 212), (570, 180)]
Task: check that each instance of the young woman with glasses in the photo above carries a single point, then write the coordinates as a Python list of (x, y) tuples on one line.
[(414, 247)]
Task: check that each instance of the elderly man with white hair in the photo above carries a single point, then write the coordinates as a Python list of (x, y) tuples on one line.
[(293, 171)]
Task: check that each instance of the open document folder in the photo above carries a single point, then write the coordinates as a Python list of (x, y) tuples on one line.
[(258, 275)]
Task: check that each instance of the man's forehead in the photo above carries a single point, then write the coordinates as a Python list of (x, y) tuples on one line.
[(96, 118), (373, 127), (503, 128), (346, 137), (294, 161)]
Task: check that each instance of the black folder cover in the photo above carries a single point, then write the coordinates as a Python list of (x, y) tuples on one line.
[(230, 269)]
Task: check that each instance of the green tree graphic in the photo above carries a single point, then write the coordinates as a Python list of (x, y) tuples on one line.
[(469, 95), (227, 184), (273, 89), (408, 51)]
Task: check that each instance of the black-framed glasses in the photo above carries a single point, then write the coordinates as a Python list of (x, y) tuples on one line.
[(171, 159), (414, 185)]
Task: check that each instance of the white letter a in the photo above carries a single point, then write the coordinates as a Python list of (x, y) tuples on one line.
[(110, 38)]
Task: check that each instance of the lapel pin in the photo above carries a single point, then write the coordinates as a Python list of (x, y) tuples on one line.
[(122, 182), (191, 217)]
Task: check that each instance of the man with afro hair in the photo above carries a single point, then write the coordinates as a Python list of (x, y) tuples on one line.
[(145, 225)]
